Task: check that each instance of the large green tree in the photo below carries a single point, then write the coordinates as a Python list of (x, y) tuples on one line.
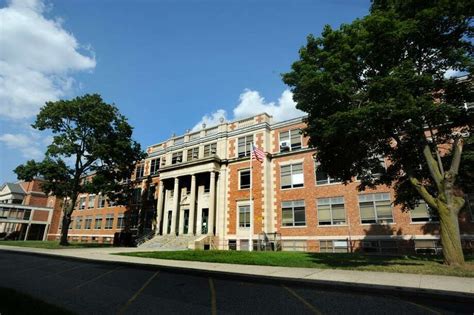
[(90, 137), (380, 87)]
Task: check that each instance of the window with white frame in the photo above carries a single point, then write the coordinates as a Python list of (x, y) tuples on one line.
[(91, 202), (101, 201), (109, 221), (292, 176), (139, 171), (120, 221), (290, 140), (333, 246), (423, 213), (244, 216), (375, 208), (293, 213), (210, 149), (193, 154), (98, 222), (244, 179), (154, 166), (245, 145), (82, 203), (322, 178), (88, 223), (78, 223), (177, 157), (331, 211)]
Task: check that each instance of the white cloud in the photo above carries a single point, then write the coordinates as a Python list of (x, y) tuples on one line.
[(29, 146), (252, 103), (36, 59)]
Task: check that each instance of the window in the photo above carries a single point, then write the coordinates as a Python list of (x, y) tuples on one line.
[(177, 157), (331, 211), (91, 202), (109, 221), (137, 196), (292, 176), (244, 216), (120, 221), (245, 145), (193, 154), (244, 179), (139, 171), (88, 223), (210, 149), (290, 140), (322, 178), (293, 213), (423, 213), (78, 223), (154, 166), (82, 203), (98, 222), (333, 246), (101, 202), (375, 208)]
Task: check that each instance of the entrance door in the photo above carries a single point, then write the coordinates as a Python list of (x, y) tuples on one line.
[(170, 214), (186, 221), (205, 219)]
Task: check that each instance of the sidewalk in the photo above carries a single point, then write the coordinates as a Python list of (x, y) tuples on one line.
[(349, 279)]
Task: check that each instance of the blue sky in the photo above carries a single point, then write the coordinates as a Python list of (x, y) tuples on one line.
[(167, 65)]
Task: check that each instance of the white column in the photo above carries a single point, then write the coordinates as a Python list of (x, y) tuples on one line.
[(165, 213), (159, 210), (192, 205), (181, 215), (212, 203), (199, 211), (175, 205)]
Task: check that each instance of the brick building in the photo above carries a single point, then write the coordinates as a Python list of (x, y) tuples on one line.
[(197, 187)]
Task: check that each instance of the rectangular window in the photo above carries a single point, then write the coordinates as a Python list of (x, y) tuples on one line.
[(244, 216), (210, 149), (244, 179), (139, 171), (101, 201), (154, 166), (91, 203), (78, 223), (331, 211), (375, 208), (245, 145), (333, 246), (322, 178), (290, 140), (177, 157), (98, 222), (292, 176), (120, 221), (423, 213), (109, 221), (293, 213), (82, 203), (88, 223), (193, 154), (137, 196)]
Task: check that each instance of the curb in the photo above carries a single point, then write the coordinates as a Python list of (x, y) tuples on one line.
[(350, 287)]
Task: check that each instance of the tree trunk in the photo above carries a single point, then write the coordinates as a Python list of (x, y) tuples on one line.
[(450, 236), (65, 230)]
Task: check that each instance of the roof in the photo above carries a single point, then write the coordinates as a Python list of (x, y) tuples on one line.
[(14, 188)]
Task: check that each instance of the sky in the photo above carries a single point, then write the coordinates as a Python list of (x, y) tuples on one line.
[(167, 65)]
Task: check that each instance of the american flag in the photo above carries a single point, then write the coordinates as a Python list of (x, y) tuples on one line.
[(257, 153)]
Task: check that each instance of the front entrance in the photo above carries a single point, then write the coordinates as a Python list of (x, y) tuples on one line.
[(168, 229), (205, 219), (186, 221)]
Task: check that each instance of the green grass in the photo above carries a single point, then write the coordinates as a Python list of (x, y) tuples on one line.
[(51, 244), (14, 302), (404, 264)]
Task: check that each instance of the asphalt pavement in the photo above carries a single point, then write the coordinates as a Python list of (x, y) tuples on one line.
[(112, 288)]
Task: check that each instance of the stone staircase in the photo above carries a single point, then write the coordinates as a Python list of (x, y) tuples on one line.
[(169, 242)]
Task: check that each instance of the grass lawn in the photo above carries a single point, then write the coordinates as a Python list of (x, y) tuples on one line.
[(405, 264), (14, 302), (51, 244)]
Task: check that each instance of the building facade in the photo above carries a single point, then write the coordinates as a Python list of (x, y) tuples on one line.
[(201, 185)]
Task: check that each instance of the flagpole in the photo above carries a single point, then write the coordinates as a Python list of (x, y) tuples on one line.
[(251, 203)]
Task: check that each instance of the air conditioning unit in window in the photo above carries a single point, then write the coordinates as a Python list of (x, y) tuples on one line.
[(195, 156), (284, 146), (213, 151)]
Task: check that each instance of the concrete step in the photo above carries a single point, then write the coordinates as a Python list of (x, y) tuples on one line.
[(167, 242)]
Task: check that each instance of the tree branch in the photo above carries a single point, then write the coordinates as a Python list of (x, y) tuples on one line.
[(423, 192), (433, 167), (457, 146)]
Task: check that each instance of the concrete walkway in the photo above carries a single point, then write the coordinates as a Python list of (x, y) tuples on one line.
[(350, 279)]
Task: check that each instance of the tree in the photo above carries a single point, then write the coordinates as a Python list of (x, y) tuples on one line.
[(378, 87), (96, 140)]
